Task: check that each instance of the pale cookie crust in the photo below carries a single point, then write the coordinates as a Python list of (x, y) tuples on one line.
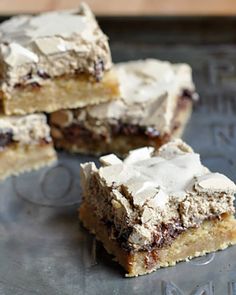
[(16, 159)]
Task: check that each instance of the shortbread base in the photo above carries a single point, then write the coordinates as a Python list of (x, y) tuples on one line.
[(16, 159), (121, 144), (61, 93), (210, 236)]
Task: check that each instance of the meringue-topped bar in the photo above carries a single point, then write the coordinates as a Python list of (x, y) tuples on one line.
[(155, 104), (25, 144), (54, 60), (156, 208)]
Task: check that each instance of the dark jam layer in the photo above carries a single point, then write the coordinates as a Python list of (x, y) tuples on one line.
[(76, 130), (130, 129), (97, 74)]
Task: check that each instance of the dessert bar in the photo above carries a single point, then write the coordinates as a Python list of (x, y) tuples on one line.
[(54, 60), (25, 144), (155, 104), (156, 208)]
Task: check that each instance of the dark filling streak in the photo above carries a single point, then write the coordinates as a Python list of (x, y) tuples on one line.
[(77, 130), (33, 85), (99, 69), (6, 138), (130, 129), (28, 77), (43, 74), (163, 235), (45, 140), (190, 95), (186, 97)]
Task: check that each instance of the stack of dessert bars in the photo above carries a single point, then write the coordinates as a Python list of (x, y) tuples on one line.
[(59, 63), (59, 88), (48, 62)]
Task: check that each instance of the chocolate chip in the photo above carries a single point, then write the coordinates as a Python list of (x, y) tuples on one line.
[(152, 132), (35, 85), (78, 71), (28, 76), (42, 74), (189, 94), (130, 129), (127, 129), (116, 129), (17, 85), (98, 70), (24, 85), (6, 138)]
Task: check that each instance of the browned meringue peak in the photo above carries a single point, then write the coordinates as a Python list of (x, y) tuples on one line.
[(214, 182), (145, 177), (175, 170), (173, 148), (53, 44), (110, 160), (149, 93), (27, 129)]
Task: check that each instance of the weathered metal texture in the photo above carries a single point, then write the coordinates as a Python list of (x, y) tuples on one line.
[(43, 248)]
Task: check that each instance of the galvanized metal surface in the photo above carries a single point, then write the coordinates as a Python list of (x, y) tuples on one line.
[(44, 249)]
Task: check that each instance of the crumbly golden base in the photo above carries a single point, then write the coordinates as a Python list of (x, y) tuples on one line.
[(61, 93), (121, 144), (212, 235), (16, 159)]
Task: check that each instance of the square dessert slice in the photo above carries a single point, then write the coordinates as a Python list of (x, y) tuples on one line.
[(156, 208), (25, 144), (54, 60), (155, 104)]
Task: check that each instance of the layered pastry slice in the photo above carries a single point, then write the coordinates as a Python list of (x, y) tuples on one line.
[(54, 60), (25, 144), (156, 208), (155, 104)]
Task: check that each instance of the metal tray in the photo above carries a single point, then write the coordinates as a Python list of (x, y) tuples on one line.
[(44, 249)]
